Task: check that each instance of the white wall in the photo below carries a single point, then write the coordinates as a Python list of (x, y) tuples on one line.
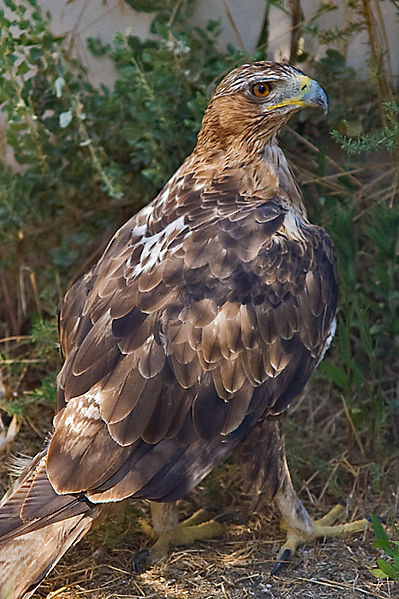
[(241, 23), (103, 18)]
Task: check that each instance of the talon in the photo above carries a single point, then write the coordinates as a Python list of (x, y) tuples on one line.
[(301, 529), (380, 518), (140, 561), (283, 559), (224, 517)]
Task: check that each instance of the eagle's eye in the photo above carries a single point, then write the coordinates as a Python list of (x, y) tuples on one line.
[(261, 89)]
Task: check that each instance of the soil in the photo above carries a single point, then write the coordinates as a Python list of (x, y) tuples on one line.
[(234, 566), (326, 465)]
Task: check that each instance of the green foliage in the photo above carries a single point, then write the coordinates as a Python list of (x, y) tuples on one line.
[(367, 340), (387, 568), (362, 215), (90, 157), (386, 137), (36, 362)]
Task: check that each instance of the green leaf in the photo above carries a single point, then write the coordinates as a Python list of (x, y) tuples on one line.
[(22, 68), (337, 374), (379, 530), (388, 569), (378, 573)]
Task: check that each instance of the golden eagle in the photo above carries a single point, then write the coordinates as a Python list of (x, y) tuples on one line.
[(199, 325)]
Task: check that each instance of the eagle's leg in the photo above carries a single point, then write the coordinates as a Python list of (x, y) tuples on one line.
[(301, 528), (168, 531)]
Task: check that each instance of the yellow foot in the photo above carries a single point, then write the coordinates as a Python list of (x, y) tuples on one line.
[(323, 527), (198, 526)]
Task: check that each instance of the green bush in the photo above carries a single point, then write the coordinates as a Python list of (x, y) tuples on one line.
[(90, 157)]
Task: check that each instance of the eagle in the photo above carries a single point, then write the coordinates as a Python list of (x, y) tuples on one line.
[(199, 325)]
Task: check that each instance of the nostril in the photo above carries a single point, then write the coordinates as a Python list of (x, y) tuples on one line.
[(304, 86)]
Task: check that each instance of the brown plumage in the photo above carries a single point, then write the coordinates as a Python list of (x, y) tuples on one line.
[(201, 322)]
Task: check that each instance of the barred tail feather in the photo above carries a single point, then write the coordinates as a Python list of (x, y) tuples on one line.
[(25, 561), (37, 526)]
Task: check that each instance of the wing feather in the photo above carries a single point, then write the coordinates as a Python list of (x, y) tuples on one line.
[(200, 318)]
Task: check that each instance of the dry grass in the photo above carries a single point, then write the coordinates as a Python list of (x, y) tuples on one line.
[(237, 565), (233, 567)]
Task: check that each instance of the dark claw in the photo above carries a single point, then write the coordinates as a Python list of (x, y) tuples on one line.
[(139, 560), (284, 558), (380, 518), (224, 517)]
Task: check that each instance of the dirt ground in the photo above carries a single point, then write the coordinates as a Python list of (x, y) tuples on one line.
[(237, 565), (234, 566)]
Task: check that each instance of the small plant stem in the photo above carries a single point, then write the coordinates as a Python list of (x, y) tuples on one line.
[(353, 428), (233, 25), (377, 37), (297, 26), (10, 308), (15, 338), (317, 151)]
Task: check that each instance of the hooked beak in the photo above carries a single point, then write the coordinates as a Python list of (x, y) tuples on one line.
[(304, 92), (314, 96)]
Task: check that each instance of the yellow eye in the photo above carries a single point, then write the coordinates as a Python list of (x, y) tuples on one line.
[(261, 90)]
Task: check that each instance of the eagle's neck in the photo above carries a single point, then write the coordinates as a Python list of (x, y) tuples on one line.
[(263, 173), (276, 163)]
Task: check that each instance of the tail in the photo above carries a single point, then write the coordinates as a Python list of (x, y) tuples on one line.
[(37, 526), (25, 561)]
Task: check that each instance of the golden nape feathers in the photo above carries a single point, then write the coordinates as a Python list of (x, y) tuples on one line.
[(201, 322)]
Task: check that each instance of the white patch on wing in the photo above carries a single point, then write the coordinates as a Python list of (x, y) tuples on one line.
[(293, 226), (156, 247), (81, 410), (327, 344), (146, 211), (163, 196), (139, 231), (95, 395), (78, 421), (197, 186)]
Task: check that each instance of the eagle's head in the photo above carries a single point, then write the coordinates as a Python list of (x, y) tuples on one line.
[(254, 101)]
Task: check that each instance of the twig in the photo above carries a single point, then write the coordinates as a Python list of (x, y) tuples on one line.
[(15, 338), (334, 176), (297, 27), (31, 361), (317, 151), (233, 25), (324, 489), (340, 585), (8, 302), (353, 428)]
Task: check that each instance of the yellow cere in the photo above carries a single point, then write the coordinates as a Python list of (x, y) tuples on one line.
[(304, 82)]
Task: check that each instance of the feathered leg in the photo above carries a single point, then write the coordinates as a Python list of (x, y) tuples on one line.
[(269, 478), (301, 528)]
